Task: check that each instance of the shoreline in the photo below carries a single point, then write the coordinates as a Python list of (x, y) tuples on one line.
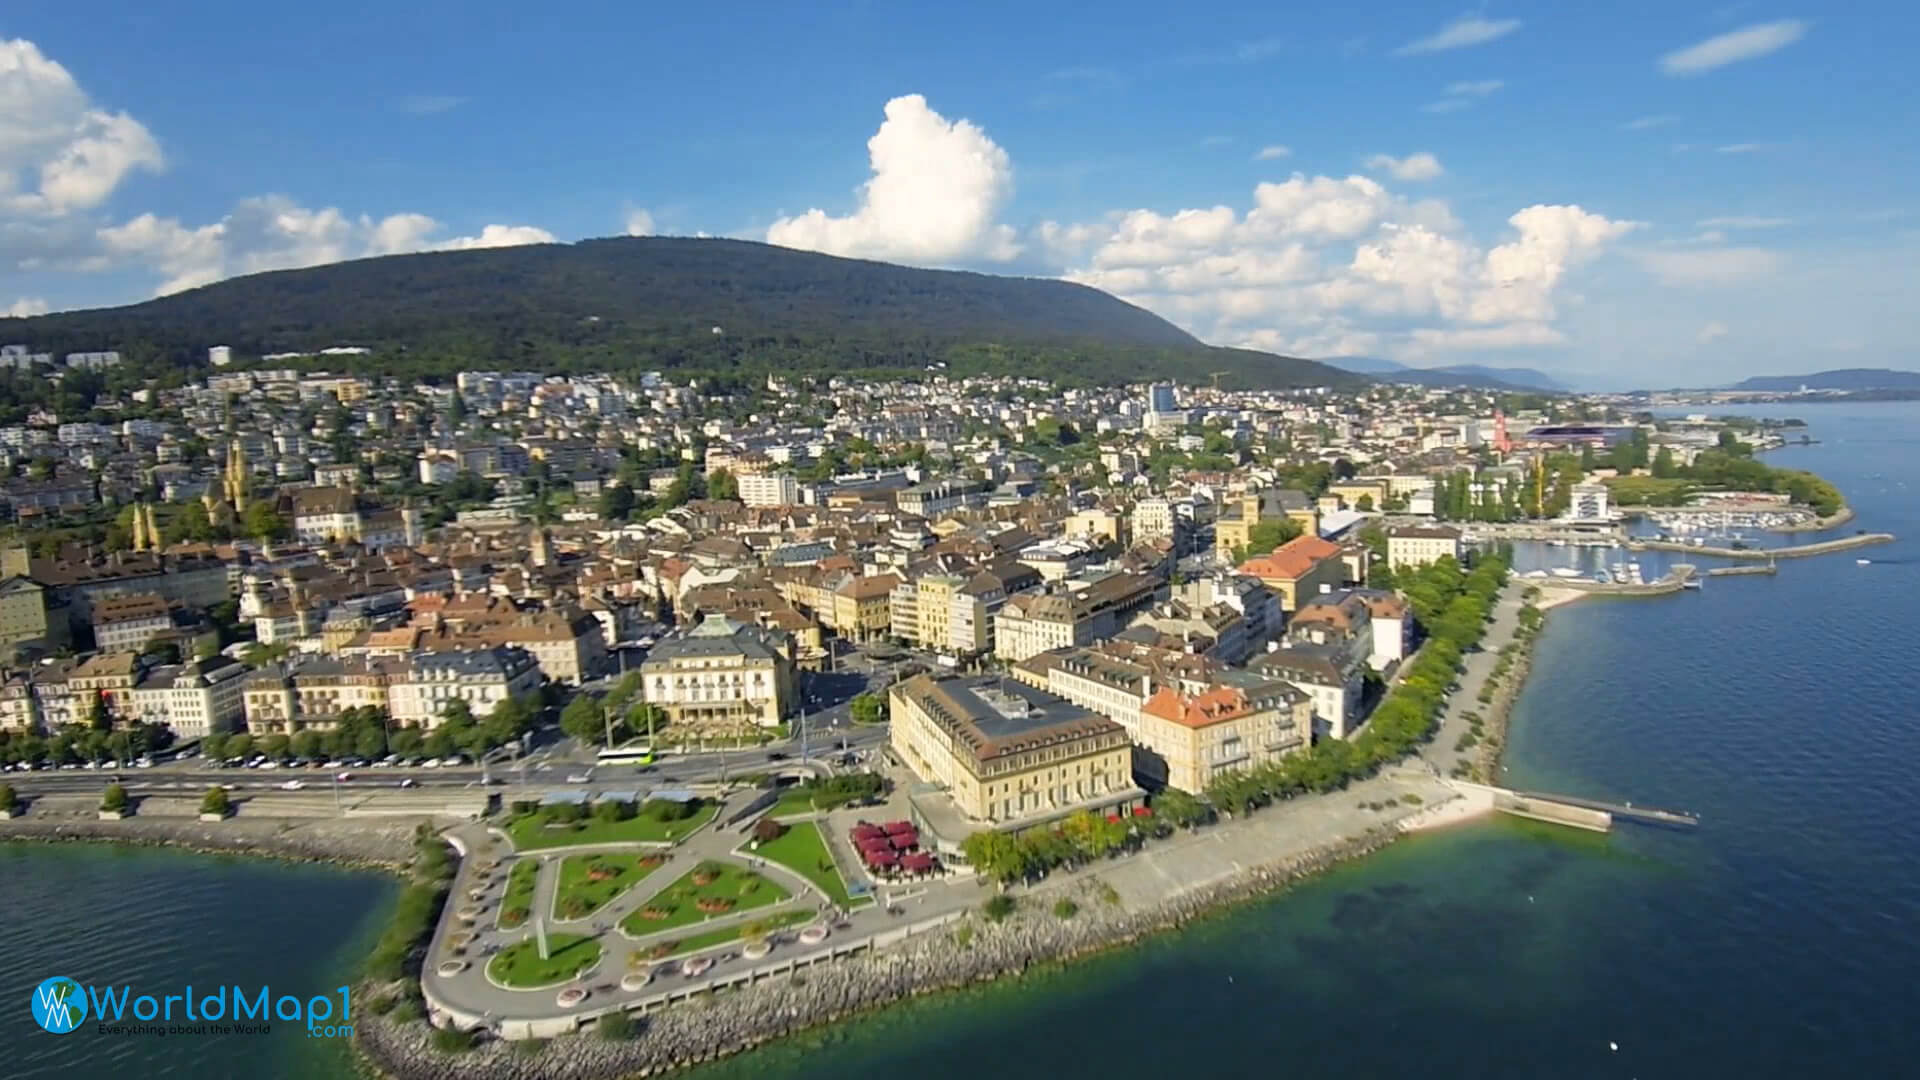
[(385, 848), (973, 952)]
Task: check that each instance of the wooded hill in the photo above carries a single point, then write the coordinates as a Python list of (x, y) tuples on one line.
[(666, 303)]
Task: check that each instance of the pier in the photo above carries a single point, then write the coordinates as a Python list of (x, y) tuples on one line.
[(1796, 551), (1742, 571), (1675, 579), (1593, 815)]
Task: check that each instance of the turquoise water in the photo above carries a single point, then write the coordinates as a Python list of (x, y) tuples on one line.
[(158, 920), (1774, 941)]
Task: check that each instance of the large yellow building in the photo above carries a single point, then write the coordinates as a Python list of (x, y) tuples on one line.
[(1007, 754), (1233, 530), (722, 676), (1299, 570)]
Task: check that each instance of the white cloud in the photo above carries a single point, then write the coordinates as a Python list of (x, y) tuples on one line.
[(1272, 153), (1643, 123), (639, 223), (1737, 222), (1713, 331), (1460, 33), (58, 151), (1479, 88), (1446, 105), (273, 232), (1216, 140), (496, 236), (1413, 167), (1323, 266), (1742, 148), (937, 188), (430, 104), (1711, 266), (1743, 44), (25, 307)]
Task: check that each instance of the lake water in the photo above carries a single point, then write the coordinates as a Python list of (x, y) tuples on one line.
[(1775, 941), (159, 920)]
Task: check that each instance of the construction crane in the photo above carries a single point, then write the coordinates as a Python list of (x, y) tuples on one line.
[(1216, 378)]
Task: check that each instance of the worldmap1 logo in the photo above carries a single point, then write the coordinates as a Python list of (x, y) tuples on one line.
[(59, 1005)]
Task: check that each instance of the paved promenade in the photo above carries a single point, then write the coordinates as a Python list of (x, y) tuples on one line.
[(1477, 668)]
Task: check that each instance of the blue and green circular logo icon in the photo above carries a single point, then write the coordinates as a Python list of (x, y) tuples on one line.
[(59, 1005)]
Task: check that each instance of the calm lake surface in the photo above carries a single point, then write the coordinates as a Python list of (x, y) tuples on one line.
[(1775, 941)]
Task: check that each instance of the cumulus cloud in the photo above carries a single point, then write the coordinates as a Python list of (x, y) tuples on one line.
[(25, 307), (1460, 33), (1272, 153), (937, 188), (1742, 44), (59, 152), (273, 232), (1412, 168), (1327, 266), (639, 223), (1713, 331), (1711, 266)]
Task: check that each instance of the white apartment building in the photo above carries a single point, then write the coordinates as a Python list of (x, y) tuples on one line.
[(483, 678), (194, 700), (769, 489)]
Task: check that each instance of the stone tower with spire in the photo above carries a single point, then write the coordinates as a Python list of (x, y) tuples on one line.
[(542, 547), (234, 483)]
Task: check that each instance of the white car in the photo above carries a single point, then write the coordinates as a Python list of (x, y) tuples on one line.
[(293, 785), (409, 782), (269, 764), (344, 777), (430, 763), (330, 764)]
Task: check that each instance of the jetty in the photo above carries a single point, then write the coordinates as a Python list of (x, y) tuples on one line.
[(1742, 571), (1796, 551), (1681, 576), (1593, 815)]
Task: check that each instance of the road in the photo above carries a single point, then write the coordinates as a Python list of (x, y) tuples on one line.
[(544, 768), (1476, 668)]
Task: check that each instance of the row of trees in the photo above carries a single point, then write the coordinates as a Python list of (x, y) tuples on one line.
[(1453, 607), (77, 743), (369, 732), (614, 719)]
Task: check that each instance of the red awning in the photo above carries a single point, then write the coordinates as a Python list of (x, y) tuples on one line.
[(895, 827), (882, 858), (864, 832), (904, 841), (918, 861)]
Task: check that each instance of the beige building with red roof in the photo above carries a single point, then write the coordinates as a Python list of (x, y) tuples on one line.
[(1188, 740), (1299, 569)]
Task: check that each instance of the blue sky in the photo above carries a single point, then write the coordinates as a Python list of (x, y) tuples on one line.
[(1632, 192)]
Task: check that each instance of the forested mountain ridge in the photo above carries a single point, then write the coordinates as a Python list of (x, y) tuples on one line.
[(627, 303)]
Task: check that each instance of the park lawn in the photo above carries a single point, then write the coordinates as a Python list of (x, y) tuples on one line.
[(681, 899), (795, 800), (578, 884), (530, 833), (519, 965), (519, 893), (803, 850), (777, 921)]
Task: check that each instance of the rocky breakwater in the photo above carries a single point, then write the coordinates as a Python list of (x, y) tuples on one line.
[(386, 843), (972, 951)]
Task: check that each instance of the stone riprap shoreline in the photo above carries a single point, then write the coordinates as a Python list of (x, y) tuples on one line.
[(971, 951), (385, 844)]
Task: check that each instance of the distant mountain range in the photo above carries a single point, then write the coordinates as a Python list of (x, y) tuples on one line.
[(1453, 375), (696, 306), (1838, 379)]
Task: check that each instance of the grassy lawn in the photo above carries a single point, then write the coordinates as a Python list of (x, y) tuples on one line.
[(519, 965), (734, 889), (589, 882), (776, 921), (517, 902), (531, 833), (795, 800), (802, 850)]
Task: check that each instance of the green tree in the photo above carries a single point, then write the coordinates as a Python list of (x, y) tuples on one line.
[(584, 718), (616, 502), (305, 744), (1181, 809), (1270, 534), (1663, 463), (262, 522), (406, 741), (239, 745), (98, 718), (722, 485), (215, 802), (9, 799), (276, 747), (868, 708), (370, 742), (114, 798), (997, 855)]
